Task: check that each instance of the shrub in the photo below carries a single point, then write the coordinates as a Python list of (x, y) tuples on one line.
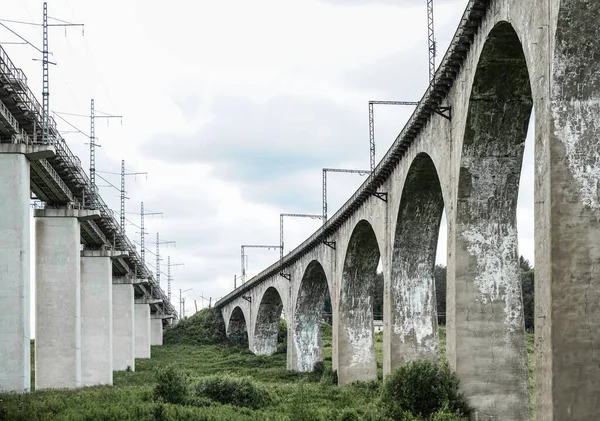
[(172, 385), (232, 390), (329, 376), (423, 388), (299, 408), (203, 328), (349, 415), (445, 415), (319, 367)]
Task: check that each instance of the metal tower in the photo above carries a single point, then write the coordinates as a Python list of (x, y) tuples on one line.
[(245, 246)]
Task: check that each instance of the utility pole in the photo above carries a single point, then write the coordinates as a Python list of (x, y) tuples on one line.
[(325, 171), (93, 143), (431, 41), (158, 243), (234, 281), (181, 311), (169, 278), (46, 73), (123, 174), (372, 125), (291, 215), (245, 246), (143, 233)]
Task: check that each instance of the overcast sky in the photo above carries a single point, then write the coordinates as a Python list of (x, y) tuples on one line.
[(233, 108)]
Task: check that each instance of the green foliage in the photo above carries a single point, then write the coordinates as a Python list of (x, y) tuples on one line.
[(445, 415), (238, 391), (349, 415), (329, 376), (439, 275), (203, 328), (319, 367), (422, 388), (172, 385), (528, 290), (298, 409)]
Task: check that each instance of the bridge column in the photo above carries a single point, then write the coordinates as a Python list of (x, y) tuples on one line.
[(142, 329), (156, 330), (123, 324), (15, 265), (96, 317), (58, 297)]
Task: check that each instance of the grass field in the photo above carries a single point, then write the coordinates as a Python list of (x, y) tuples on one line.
[(292, 396)]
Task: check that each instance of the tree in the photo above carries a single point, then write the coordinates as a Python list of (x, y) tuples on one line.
[(439, 274)]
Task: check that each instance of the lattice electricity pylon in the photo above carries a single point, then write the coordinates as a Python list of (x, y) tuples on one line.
[(372, 125), (143, 233), (325, 171), (169, 278), (93, 143), (292, 215), (158, 243), (431, 41), (123, 197), (245, 246)]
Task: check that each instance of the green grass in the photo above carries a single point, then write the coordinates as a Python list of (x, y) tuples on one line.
[(293, 396)]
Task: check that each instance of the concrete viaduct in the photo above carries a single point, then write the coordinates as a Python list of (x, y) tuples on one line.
[(461, 152), (97, 305)]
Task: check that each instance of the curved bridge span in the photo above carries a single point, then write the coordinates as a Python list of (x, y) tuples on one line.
[(461, 153)]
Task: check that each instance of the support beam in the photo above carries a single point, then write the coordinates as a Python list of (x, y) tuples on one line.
[(96, 318), (156, 331), (142, 331), (58, 298), (123, 324)]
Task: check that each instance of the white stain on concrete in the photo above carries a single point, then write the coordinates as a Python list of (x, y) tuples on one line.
[(498, 278), (307, 343), (576, 126), (361, 342)]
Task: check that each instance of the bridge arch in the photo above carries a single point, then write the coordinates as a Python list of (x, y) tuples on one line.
[(237, 326), (490, 353), (266, 326), (308, 314), (356, 345), (413, 316)]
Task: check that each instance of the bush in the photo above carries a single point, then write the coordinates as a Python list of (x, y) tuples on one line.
[(172, 385), (445, 415), (423, 388), (319, 367), (329, 376), (349, 415), (232, 390), (203, 328)]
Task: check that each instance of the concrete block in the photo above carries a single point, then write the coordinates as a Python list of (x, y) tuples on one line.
[(123, 326), (58, 303), (142, 331), (14, 272), (96, 321), (156, 332)]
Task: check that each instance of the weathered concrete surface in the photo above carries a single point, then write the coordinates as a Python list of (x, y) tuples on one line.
[(267, 323), (123, 326), (96, 320), (14, 272), (156, 331), (490, 339), (142, 330), (237, 328), (357, 359), (58, 302), (512, 55), (413, 333), (308, 317)]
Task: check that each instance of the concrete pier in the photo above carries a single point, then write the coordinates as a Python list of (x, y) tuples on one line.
[(96, 318), (58, 298), (14, 271), (123, 324), (142, 330), (156, 331)]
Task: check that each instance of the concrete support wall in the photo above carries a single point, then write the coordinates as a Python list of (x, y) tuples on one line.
[(142, 331), (264, 341), (123, 326), (156, 331), (58, 300), (96, 320), (14, 271)]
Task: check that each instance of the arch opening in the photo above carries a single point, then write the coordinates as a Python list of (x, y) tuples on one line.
[(267, 323), (413, 316), (488, 347), (237, 330), (308, 317), (356, 346)]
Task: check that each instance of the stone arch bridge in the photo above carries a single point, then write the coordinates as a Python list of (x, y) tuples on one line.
[(461, 152)]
